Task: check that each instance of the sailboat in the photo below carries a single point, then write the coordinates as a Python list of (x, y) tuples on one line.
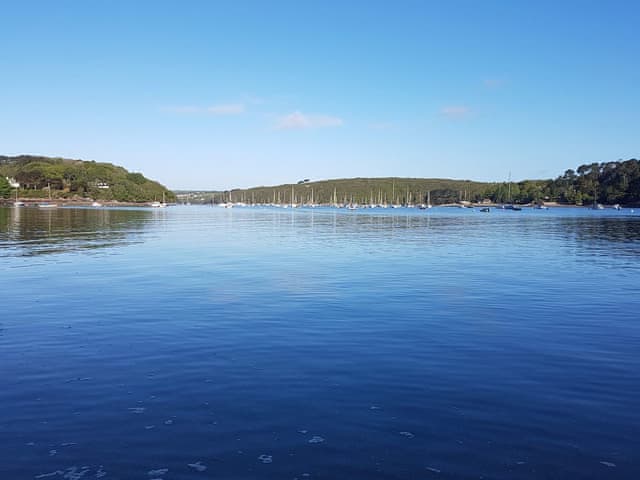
[(156, 204), (428, 204), (48, 204), (335, 199), (596, 205), (510, 205), (18, 203)]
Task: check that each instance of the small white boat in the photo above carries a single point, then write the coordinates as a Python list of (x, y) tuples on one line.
[(156, 204), (18, 203), (424, 206), (48, 204), (96, 204)]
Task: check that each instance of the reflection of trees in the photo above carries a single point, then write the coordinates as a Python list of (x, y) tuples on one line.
[(610, 236), (31, 231)]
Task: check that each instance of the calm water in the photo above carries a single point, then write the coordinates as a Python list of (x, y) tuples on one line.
[(197, 343)]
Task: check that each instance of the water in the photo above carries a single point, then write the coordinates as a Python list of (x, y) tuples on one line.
[(196, 342)]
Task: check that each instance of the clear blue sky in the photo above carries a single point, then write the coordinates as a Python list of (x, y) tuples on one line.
[(220, 94)]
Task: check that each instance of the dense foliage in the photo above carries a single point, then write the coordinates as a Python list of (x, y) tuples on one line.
[(391, 190), (5, 188), (607, 183), (80, 179), (362, 191)]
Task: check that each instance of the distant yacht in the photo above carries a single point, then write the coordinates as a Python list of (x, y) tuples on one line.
[(156, 204), (48, 205), (18, 203)]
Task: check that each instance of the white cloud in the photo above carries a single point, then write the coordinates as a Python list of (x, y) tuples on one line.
[(298, 120), (456, 112)]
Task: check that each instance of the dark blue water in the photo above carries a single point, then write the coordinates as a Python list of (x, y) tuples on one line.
[(197, 343)]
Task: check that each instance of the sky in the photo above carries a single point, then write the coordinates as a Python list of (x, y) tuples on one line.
[(232, 94)]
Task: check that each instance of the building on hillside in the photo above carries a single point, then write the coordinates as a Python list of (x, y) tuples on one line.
[(12, 182)]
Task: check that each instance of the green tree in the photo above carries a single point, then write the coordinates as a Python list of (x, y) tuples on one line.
[(5, 188)]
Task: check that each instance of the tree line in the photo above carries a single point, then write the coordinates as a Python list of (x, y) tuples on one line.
[(606, 183), (67, 178)]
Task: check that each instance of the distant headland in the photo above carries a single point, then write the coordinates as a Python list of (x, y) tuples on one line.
[(67, 180), (607, 183)]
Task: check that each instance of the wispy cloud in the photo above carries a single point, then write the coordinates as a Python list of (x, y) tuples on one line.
[(456, 112), (299, 121), (222, 109)]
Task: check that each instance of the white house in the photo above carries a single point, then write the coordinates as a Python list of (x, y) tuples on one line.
[(12, 182)]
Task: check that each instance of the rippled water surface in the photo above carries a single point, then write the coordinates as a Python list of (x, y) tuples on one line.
[(196, 343)]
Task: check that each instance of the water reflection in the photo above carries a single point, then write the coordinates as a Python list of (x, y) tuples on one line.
[(31, 231)]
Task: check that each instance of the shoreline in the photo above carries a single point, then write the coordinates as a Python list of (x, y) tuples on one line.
[(33, 202), (64, 202)]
